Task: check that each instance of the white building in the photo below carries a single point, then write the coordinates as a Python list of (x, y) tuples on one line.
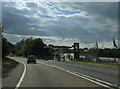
[(66, 56)]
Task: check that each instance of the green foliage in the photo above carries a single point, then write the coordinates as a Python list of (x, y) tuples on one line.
[(31, 46), (109, 64), (7, 47), (8, 64), (37, 47), (4, 47), (109, 52)]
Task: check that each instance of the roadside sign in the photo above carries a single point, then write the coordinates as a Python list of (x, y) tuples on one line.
[(76, 51)]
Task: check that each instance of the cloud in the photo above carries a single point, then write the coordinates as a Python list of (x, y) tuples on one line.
[(34, 36), (70, 21), (57, 40)]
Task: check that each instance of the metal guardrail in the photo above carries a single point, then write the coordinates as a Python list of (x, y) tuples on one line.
[(104, 59), (110, 59)]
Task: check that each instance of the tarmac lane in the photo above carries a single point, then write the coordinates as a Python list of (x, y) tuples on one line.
[(40, 75)]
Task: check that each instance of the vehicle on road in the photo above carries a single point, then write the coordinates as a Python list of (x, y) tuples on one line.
[(31, 58), (11, 54), (46, 58)]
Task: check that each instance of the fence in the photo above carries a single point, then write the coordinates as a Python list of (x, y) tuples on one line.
[(101, 59)]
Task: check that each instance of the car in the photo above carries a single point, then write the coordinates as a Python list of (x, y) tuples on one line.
[(11, 54), (31, 58)]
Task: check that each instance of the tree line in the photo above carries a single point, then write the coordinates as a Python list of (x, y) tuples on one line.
[(107, 52), (7, 47), (32, 46), (35, 47), (26, 47)]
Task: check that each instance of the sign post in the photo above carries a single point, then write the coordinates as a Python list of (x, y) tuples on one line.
[(76, 51)]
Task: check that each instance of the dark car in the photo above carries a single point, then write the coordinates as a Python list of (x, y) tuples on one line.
[(32, 59), (11, 54)]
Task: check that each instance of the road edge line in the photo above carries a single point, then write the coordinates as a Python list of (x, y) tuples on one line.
[(22, 77), (62, 69)]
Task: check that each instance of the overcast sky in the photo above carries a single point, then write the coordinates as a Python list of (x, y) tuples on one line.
[(61, 23)]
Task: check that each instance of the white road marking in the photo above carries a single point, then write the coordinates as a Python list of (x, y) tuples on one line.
[(74, 73), (84, 77), (21, 79)]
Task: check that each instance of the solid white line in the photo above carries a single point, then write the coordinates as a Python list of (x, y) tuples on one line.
[(82, 76), (97, 79), (21, 79)]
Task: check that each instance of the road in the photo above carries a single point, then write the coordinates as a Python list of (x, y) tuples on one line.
[(41, 75), (102, 72)]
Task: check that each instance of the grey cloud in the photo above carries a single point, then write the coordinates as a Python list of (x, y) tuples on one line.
[(17, 24), (87, 30), (104, 9)]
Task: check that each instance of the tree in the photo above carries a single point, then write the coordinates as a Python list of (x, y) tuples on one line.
[(4, 47), (31, 46), (7, 47), (37, 47)]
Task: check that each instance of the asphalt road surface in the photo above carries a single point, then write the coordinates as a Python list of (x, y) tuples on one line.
[(41, 75), (102, 72)]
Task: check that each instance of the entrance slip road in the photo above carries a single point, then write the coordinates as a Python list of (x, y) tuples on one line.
[(44, 75)]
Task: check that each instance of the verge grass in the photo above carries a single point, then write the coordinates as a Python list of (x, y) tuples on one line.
[(97, 63), (8, 64)]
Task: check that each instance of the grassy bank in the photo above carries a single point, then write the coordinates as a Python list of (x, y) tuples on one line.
[(8, 64), (109, 64)]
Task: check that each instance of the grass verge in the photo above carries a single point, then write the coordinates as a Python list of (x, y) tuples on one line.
[(8, 64), (109, 64)]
